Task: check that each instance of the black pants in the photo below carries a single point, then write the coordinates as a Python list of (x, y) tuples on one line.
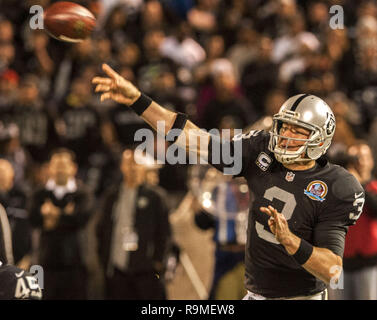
[(65, 284), (144, 286)]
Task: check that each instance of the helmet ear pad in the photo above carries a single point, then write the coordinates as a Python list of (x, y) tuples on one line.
[(315, 153)]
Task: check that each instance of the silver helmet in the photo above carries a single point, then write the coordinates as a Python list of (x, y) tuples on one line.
[(309, 112)]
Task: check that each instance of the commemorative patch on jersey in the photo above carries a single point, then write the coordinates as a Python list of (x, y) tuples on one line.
[(263, 161), (316, 190)]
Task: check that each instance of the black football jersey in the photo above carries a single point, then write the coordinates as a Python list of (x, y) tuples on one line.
[(37, 131), (18, 284), (319, 205), (82, 131)]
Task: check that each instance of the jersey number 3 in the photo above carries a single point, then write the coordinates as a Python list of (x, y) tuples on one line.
[(289, 206)]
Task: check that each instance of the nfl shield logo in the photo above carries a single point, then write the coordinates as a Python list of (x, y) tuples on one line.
[(289, 176)]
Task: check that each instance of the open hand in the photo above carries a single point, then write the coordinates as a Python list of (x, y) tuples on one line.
[(278, 225), (50, 214), (115, 87), (69, 209)]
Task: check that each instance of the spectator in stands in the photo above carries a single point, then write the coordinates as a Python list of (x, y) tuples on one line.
[(15, 202), (7, 55), (182, 48), (203, 16), (129, 56), (260, 75), (245, 48), (274, 99), (60, 210), (347, 120), (115, 27), (133, 236), (11, 150), (229, 236), (273, 16), (79, 122), (37, 130), (318, 18), (360, 253), (228, 100), (152, 16), (6, 31), (9, 80)]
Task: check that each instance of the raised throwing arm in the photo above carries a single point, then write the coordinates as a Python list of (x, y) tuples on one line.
[(116, 88)]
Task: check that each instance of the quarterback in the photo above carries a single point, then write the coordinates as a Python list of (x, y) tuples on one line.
[(302, 205)]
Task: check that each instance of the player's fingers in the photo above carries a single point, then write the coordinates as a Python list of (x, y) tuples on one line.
[(271, 225), (127, 101), (272, 209), (275, 213), (278, 217), (109, 71), (266, 210), (101, 80), (102, 87), (106, 96)]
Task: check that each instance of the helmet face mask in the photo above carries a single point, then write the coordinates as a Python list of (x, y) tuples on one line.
[(310, 113)]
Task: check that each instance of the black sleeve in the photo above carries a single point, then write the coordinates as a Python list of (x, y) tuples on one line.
[(234, 157), (343, 211), (330, 235)]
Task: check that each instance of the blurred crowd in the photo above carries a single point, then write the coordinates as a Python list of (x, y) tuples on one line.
[(226, 63)]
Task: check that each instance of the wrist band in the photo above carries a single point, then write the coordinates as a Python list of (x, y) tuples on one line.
[(179, 123), (141, 104), (304, 252)]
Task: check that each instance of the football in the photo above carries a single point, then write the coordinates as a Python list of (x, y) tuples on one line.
[(68, 21)]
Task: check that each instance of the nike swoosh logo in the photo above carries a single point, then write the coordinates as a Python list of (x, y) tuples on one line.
[(358, 195), (18, 275)]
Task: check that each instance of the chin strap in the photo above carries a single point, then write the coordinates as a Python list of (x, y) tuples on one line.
[(297, 160)]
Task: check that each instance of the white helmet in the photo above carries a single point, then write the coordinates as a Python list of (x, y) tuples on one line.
[(309, 112)]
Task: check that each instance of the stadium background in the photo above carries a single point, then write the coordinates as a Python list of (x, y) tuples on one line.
[(227, 63)]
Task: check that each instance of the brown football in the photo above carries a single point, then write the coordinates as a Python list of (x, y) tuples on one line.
[(68, 21)]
